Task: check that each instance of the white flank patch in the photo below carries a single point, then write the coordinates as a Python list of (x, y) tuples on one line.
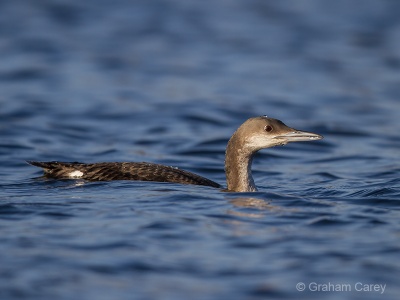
[(76, 174)]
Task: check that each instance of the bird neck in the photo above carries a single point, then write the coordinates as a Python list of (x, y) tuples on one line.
[(238, 160)]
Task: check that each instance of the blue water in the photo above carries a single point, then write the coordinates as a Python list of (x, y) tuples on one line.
[(169, 82)]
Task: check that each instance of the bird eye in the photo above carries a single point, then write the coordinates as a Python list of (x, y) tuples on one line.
[(268, 128)]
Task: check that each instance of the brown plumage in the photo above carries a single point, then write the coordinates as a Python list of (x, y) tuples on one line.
[(106, 171)]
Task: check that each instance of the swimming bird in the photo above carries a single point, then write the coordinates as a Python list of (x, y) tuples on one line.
[(253, 135)]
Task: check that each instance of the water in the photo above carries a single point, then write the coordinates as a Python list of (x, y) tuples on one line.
[(169, 82)]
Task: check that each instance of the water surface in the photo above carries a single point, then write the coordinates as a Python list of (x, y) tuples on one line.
[(169, 82)]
